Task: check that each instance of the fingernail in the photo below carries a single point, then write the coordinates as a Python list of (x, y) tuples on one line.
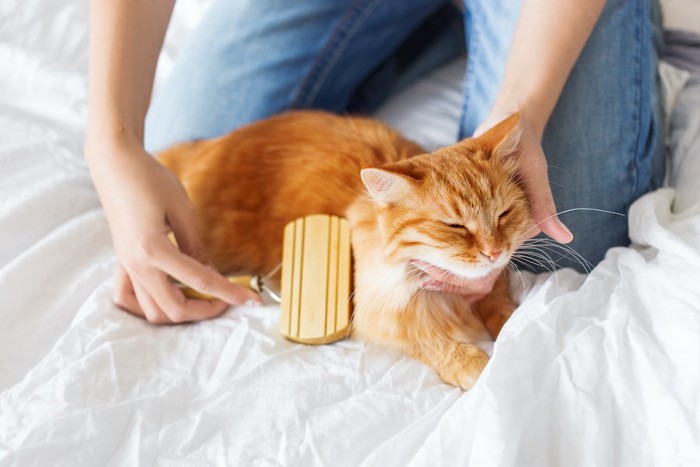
[(566, 229), (251, 302)]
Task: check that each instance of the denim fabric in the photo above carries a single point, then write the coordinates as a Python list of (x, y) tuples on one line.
[(604, 139), (251, 59)]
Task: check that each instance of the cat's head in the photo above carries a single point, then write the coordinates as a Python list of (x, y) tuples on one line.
[(460, 209)]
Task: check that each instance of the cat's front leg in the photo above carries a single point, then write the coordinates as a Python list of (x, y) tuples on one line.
[(436, 337), (497, 306), (457, 363)]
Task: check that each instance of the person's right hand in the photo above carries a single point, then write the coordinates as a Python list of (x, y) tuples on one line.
[(143, 202)]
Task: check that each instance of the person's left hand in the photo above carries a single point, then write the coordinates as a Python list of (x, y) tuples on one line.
[(532, 166)]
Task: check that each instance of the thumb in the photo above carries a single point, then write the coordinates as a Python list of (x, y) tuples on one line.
[(185, 229), (544, 213), (185, 226)]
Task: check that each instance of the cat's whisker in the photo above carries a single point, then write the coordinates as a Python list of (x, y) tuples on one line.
[(560, 185), (565, 251), (532, 249), (549, 166), (350, 326), (604, 211), (351, 322), (536, 254), (432, 159), (352, 315), (554, 245), (414, 273), (424, 290), (544, 192), (511, 267), (523, 169), (535, 257), (456, 161), (535, 263), (450, 286), (538, 181), (418, 293)]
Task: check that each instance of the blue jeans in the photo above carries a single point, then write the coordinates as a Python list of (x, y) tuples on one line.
[(251, 59)]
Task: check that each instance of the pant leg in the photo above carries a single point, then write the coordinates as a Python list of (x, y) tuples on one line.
[(249, 59), (604, 140)]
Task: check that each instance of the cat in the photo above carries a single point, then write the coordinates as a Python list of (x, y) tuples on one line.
[(459, 211)]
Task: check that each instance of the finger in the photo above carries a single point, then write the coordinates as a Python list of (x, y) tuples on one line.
[(544, 213), (176, 306), (123, 295), (166, 257), (151, 310), (184, 224)]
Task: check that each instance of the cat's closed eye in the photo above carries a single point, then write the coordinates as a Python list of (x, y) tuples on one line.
[(454, 226), (504, 214)]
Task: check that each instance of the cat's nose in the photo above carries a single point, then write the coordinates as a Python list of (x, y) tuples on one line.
[(492, 255)]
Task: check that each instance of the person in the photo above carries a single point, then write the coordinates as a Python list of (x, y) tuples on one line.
[(582, 75)]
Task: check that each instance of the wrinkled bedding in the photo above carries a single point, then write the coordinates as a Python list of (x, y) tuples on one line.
[(590, 371)]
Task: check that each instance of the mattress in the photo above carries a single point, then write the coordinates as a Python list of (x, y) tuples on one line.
[(591, 370)]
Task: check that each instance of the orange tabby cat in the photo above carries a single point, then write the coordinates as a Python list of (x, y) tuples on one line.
[(458, 212)]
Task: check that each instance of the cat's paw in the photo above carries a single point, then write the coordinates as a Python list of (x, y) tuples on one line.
[(464, 366)]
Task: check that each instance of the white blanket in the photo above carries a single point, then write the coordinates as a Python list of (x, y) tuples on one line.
[(592, 371)]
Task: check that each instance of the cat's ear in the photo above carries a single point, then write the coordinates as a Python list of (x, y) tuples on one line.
[(504, 137), (385, 186)]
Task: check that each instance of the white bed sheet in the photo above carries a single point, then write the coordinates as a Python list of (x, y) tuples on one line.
[(590, 371)]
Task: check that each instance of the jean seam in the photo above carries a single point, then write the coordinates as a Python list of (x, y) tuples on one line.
[(472, 49), (637, 109), (332, 51)]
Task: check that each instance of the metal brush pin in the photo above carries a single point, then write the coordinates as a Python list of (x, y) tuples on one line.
[(316, 280)]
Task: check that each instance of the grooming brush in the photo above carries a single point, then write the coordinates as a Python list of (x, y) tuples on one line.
[(316, 280)]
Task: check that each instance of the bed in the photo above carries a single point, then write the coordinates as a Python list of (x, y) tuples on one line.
[(591, 370)]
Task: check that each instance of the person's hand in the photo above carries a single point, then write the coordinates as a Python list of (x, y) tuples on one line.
[(532, 165), (144, 202), (438, 279)]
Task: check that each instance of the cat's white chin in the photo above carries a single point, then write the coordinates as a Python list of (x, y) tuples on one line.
[(459, 272), (438, 279)]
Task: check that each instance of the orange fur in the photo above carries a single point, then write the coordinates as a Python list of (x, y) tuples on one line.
[(442, 208)]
